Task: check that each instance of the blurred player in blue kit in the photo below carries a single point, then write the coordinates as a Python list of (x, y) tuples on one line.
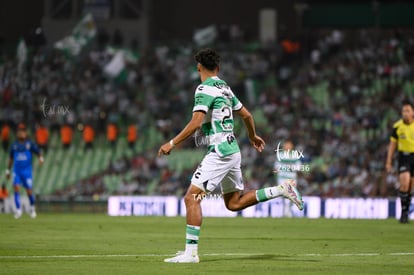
[(20, 167)]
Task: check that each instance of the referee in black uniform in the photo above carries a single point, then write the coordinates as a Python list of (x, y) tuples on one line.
[(402, 139)]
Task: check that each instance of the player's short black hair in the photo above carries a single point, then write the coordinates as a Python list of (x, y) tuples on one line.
[(407, 102), (209, 58)]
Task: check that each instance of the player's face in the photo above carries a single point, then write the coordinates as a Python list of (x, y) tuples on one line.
[(21, 134), (407, 113), (288, 145)]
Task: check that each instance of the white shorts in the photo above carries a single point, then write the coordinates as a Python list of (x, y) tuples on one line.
[(215, 170)]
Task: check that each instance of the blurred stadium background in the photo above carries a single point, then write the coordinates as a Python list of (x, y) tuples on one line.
[(330, 75)]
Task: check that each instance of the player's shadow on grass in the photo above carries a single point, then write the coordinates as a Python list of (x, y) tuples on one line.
[(264, 257)]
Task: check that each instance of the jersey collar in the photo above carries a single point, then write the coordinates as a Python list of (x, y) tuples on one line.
[(215, 77)]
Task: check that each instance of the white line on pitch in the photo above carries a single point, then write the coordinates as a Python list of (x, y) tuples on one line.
[(82, 256), (207, 254), (358, 254)]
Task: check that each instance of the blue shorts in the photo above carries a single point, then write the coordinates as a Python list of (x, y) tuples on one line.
[(23, 178)]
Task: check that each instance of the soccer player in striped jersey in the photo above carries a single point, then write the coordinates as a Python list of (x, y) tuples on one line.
[(214, 104), (286, 167)]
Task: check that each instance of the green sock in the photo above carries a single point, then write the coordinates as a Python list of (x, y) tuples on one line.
[(191, 242), (268, 193)]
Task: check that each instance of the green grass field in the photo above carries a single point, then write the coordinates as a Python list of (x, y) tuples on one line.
[(98, 244)]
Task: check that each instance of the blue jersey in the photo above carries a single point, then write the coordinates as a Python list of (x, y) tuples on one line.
[(22, 153)]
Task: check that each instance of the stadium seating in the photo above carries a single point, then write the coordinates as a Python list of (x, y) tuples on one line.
[(339, 111)]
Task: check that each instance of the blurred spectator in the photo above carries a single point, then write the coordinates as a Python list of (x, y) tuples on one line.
[(5, 136), (336, 104), (7, 95), (132, 136), (117, 38), (112, 134), (88, 136), (42, 137), (66, 136), (290, 46)]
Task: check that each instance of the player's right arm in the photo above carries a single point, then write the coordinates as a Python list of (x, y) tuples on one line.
[(195, 123), (10, 164), (256, 141), (202, 103), (391, 150)]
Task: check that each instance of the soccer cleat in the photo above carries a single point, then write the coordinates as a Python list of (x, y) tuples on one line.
[(183, 258), (18, 213), (290, 192), (404, 217), (32, 212)]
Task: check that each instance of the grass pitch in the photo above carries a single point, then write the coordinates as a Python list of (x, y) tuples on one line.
[(98, 244)]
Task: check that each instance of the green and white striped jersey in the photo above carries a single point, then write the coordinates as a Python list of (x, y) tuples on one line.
[(216, 99)]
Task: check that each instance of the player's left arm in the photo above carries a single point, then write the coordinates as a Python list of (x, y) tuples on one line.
[(256, 141), (36, 150), (41, 158), (195, 123)]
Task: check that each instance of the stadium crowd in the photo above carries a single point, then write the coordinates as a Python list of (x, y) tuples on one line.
[(336, 100)]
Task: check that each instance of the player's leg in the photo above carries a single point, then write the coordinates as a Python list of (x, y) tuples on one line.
[(405, 180), (205, 179), (192, 201), (18, 211), (410, 191), (16, 188), (236, 200), (28, 185), (404, 167), (30, 195), (232, 187), (410, 185)]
